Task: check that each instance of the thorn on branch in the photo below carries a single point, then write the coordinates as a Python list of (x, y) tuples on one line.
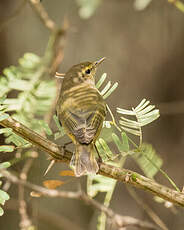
[(49, 167)]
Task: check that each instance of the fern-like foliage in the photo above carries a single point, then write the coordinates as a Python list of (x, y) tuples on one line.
[(143, 113), (146, 157), (96, 184), (34, 95), (144, 154), (108, 89), (4, 148), (5, 131), (148, 160), (3, 194), (60, 133)]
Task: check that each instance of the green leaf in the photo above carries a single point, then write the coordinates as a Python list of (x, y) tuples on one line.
[(29, 61), (32, 57), (17, 140), (2, 201), (57, 135), (46, 127), (9, 74), (125, 141), (4, 195), (101, 221), (106, 88), (111, 90), (106, 132), (143, 113), (148, 160), (21, 85), (5, 130), (122, 145), (7, 148), (3, 198), (3, 108), (1, 211), (132, 131), (3, 116), (105, 147), (5, 165), (98, 183), (101, 151), (118, 143), (101, 80), (2, 99), (58, 124)]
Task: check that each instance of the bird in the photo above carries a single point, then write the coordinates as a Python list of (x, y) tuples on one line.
[(81, 111)]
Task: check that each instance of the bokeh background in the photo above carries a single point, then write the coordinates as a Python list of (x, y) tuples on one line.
[(145, 54)]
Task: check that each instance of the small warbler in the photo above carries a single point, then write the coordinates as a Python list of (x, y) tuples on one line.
[(81, 110)]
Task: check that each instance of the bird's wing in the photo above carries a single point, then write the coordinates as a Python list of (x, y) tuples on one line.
[(84, 126)]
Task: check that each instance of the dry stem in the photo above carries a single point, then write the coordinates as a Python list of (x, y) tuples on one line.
[(118, 220)]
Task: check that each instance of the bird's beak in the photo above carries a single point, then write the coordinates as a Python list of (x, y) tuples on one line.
[(97, 63)]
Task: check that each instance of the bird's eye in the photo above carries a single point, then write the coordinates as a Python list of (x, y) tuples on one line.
[(88, 71)]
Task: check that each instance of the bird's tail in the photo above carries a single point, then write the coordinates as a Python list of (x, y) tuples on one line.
[(83, 160)]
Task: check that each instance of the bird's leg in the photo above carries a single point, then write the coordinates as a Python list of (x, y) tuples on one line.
[(63, 147), (67, 143)]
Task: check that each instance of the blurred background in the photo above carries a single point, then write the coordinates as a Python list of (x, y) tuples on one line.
[(145, 53)]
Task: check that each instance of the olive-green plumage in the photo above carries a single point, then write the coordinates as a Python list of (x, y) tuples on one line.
[(81, 111)]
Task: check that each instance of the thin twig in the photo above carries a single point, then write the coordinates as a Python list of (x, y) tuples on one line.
[(148, 210), (55, 51), (43, 15), (118, 220), (123, 175), (25, 222), (178, 4)]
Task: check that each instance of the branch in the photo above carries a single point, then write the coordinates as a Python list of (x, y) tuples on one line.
[(146, 208), (178, 4), (25, 222), (124, 175), (43, 15), (58, 40), (118, 220)]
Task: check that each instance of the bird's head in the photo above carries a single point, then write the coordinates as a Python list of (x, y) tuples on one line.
[(84, 72)]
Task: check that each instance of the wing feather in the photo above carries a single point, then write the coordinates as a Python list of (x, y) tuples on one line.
[(84, 127), (82, 114)]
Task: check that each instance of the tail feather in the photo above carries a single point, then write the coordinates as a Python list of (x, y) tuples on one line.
[(83, 160)]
